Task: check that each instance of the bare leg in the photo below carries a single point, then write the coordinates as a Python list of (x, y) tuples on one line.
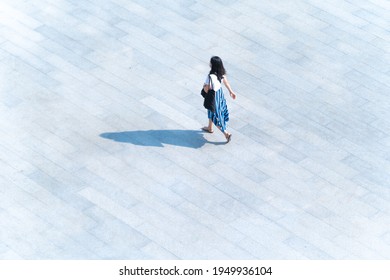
[(209, 128), (228, 136), (226, 133)]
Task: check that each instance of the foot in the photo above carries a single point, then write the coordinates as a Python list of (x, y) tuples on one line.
[(206, 129), (228, 137)]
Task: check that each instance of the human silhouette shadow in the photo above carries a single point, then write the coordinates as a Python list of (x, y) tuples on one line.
[(157, 138)]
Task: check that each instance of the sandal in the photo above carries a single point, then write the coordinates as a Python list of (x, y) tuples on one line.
[(206, 129)]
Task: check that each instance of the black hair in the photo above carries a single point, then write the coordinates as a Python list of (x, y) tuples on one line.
[(217, 67)]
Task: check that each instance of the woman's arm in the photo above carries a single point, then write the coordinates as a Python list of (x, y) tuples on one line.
[(227, 85), (206, 85)]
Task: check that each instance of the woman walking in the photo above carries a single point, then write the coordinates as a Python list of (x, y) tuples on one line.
[(221, 115)]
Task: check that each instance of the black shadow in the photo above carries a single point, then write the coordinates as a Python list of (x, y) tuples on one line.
[(157, 138)]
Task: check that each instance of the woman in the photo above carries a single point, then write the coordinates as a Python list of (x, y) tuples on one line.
[(221, 115)]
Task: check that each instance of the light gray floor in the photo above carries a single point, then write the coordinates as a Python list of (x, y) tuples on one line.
[(101, 153)]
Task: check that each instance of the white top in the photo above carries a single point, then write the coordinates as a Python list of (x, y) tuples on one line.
[(214, 79)]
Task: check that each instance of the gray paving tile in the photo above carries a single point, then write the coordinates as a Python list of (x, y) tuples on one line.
[(386, 237), (263, 252), (214, 223), (263, 246), (358, 249), (154, 251), (72, 57), (306, 248)]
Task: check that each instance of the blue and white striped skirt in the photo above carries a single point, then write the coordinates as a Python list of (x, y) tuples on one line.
[(221, 115)]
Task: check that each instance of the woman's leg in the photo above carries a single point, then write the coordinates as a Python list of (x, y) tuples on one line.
[(226, 133), (228, 136), (209, 128)]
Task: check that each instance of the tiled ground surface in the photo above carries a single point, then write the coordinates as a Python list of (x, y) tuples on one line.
[(101, 155)]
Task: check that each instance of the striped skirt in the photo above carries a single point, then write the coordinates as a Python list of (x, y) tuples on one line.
[(221, 115)]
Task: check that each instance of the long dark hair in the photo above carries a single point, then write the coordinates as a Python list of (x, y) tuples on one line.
[(217, 67)]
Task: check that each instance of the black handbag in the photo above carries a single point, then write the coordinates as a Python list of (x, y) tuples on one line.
[(209, 97), (203, 93)]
